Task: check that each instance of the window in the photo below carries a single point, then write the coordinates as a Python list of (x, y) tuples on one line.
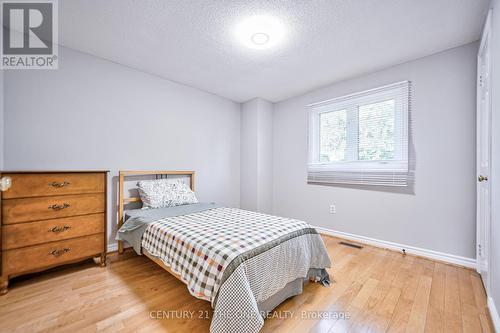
[(361, 138)]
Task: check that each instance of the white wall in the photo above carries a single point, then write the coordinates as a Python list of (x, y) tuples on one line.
[(94, 114), (439, 213), (249, 152), (256, 155), (265, 157), (495, 175)]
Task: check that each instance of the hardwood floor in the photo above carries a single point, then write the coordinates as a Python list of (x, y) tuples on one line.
[(380, 291)]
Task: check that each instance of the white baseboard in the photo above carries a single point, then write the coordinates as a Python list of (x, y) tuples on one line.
[(445, 257), (494, 314), (112, 247)]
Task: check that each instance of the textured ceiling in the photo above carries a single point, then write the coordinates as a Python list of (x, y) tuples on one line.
[(192, 41)]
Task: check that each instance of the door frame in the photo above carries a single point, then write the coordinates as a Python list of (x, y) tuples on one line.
[(483, 244)]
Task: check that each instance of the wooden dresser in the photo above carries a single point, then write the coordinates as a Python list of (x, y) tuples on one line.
[(51, 218)]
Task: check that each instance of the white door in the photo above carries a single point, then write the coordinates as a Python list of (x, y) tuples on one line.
[(483, 158)]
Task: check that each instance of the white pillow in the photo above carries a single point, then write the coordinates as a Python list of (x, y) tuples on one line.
[(161, 193)]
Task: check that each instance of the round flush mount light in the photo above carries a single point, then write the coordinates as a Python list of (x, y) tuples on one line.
[(260, 38), (260, 32)]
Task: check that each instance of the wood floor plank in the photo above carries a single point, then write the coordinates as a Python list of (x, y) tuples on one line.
[(356, 307), (418, 314), (365, 267), (452, 306), (481, 304), (380, 290), (379, 321), (401, 315), (382, 297), (435, 311), (343, 267), (479, 292), (470, 313)]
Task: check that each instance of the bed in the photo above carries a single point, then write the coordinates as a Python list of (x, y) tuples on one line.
[(244, 263)]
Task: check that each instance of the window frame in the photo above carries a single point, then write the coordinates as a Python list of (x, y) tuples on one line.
[(399, 92)]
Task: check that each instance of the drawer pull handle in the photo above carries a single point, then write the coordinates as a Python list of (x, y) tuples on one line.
[(58, 253), (59, 207), (57, 229), (59, 185)]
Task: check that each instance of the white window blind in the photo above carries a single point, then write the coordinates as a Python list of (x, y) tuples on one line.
[(361, 138)]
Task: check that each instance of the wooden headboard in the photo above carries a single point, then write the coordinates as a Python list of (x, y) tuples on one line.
[(122, 201)]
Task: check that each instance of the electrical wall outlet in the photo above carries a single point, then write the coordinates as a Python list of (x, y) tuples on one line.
[(333, 209)]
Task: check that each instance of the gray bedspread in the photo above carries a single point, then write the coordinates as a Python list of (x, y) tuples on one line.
[(137, 220)]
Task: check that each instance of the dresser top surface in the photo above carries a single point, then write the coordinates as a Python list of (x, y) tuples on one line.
[(54, 171)]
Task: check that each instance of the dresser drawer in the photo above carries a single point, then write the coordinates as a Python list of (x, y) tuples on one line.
[(51, 254), (31, 233), (45, 208), (38, 185)]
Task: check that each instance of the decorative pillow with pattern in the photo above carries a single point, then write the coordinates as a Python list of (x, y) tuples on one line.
[(161, 193)]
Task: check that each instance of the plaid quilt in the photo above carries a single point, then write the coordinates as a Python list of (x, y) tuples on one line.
[(207, 247)]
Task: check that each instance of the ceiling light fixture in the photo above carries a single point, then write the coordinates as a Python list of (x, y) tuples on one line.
[(260, 32), (260, 38)]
